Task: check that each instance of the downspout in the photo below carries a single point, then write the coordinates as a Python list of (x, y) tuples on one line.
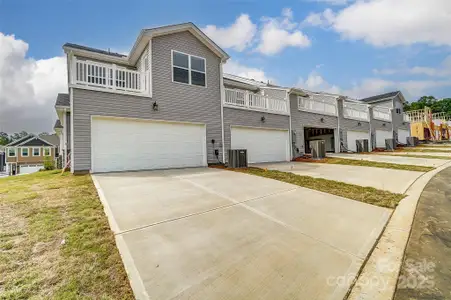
[(370, 119), (338, 124), (221, 83), (290, 138)]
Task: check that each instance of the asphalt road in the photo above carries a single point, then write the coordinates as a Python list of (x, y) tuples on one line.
[(426, 270)]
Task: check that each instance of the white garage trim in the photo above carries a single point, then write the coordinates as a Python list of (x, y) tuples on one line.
[(353, 135), (381, 135), (403, 134), (270, 145), (198, 134)]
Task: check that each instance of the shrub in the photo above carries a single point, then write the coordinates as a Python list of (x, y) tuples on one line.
[(49, 163)]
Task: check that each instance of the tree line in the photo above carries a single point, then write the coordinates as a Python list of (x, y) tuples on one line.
[(436, 105), (5, 138)]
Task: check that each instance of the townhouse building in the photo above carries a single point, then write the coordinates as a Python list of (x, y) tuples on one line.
[(168, 104)]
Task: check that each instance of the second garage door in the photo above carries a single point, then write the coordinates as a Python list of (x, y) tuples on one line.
[(125, 144), (263, 145), (381, 135), (403, 135), (353, 136)]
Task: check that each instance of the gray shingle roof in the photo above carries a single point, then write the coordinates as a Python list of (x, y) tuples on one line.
[(62, 100), (51, 139), (380, 97), (81, 47), (58, 125)]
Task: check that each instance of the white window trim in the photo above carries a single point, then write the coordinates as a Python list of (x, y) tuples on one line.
[(49, 149), (21, 152), (15, 152), (34, 148), (188, 69)]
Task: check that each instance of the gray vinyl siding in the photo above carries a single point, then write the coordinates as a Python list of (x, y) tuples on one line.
[(240, 117), (301, 119), (275, 93), (397, 119), (68, 130), (176, 102)]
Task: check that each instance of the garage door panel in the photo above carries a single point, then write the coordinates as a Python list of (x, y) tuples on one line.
[(263, 145), (120, 145), (353, 136), (403, 135), (381, 136)]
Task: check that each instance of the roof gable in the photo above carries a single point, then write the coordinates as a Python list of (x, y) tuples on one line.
[(17, 142), (381, 97), (30, 140), (62, 100)]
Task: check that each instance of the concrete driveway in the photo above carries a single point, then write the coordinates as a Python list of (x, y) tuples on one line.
[(396, 181), (402, 160), (216, 234)]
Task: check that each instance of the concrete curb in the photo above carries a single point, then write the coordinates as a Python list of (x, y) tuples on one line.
[(379, 276), (127, 259)]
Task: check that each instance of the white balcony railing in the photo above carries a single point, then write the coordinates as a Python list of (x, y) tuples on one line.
[(108, 76), (323, 106), (405, 117), (382, 113), (355, 111), (245, 99)]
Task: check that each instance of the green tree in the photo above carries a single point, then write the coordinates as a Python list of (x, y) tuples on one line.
[(4, 138)]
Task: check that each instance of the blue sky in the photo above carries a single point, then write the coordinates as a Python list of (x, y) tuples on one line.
[(356, 48)]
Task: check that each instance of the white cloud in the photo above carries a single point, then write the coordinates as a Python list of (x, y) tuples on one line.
[(323, 19), (396, 22), (278, 33), (316, 83), (237, 36), (441, 71), (333, 2), (28, 87), (235, 68), (372, 86)]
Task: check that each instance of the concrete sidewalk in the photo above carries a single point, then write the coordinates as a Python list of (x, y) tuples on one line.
[(392, 159), (396, 181), (215, 234)]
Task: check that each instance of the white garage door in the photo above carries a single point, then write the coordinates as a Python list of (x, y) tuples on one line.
[(28, 169), (403, 135), (381, 135), (263, 145), (124, 144), (352, 136)]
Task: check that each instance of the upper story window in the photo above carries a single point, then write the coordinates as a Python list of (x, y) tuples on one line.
[(11, 152), (36, 151), (24, 152), (46, 151), (188, 69), (398, 111)]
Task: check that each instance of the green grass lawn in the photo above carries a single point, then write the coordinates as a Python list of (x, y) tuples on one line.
[(441, 149), (422, 156), (351, 191), (55, 241), (374, 164)]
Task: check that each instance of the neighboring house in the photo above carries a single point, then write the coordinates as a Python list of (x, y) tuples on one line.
[(388, 120), (27, 155), (169, 105)]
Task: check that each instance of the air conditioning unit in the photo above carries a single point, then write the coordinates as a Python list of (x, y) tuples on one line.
[(237, 158), (412, 141), (362, 145), (318, 148), (390, 144)]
